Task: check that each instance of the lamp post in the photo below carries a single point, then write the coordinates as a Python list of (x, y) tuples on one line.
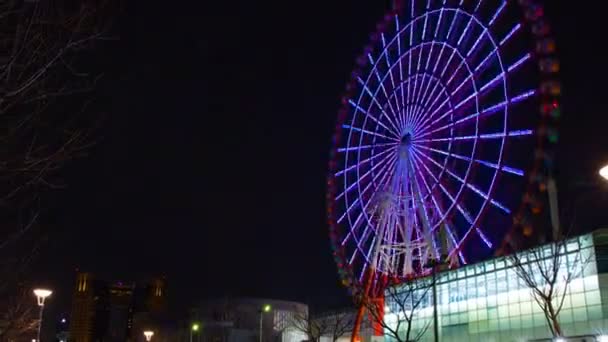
[(433, 264), (148, 335), (194, 328), (41, 295), (266, 308)]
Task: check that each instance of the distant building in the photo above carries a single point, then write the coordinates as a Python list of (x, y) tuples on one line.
[(240, 320), (104, 311), (120, 311), (89, 316)]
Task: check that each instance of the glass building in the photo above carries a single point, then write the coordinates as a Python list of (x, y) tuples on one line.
[(488, 302)]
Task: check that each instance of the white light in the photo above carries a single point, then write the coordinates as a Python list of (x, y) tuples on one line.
[(602, 338), (559, 339), (41, 295), (387, 309), (604, 172), (148, 335)]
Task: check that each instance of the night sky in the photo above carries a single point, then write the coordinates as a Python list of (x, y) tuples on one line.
[(211, 164)]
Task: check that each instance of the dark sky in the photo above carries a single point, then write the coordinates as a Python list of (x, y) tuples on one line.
[(212, 165)]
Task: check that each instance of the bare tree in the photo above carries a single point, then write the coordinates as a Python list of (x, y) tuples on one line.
[(48, 71), (19, 317), (548, 271), (49, 68), (337, 323), (305, 323), (405, 301)]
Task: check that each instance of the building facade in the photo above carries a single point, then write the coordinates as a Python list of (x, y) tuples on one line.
[(114, 311), (242, 319), (488, 302)]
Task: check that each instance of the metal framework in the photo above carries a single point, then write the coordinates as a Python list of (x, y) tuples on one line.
[(421, 146)]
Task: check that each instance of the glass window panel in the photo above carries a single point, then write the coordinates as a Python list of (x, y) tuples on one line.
[(482, 315), (578, 299), (593, 298), (491, 301), (577, 285), (526, 308), (500, 263), (527, 321), (490, 266), (503, 311), (579, 314), (515, 323), (594, 312), (493, 313), (470, 271), (502, 299), (514, 310), (565, 316), (591, 283), (539, 319)]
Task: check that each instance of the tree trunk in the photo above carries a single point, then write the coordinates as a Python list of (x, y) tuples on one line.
[(557, 329)]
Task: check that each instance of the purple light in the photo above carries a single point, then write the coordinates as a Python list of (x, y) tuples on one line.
[(511, 33), (502, 6)]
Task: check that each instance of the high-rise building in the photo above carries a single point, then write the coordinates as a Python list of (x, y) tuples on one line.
[(112, 312), (120, 311), (89, 309)]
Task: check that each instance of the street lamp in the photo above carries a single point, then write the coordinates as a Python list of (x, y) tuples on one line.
[(194, 328), (41, 295), (604, 172), (266, 308), (148, 334)]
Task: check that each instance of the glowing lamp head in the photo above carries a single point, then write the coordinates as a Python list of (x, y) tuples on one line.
[(602, 338), (195, 327), (604, 172), (148, 334), (266, 308), (41, 295), (559, 339)]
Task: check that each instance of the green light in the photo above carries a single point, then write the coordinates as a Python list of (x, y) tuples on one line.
[(195, 327), (266, 308)]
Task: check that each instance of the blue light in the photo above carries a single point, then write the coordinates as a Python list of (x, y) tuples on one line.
[(510, 34), (519, 62), (502, 6)]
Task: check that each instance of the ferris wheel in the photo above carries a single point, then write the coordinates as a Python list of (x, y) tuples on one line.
[(442, 146)]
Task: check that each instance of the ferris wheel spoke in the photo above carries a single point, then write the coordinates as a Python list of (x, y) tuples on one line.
[(474, 189), (364, 131), (364, 209), (361, 178), (400, 68), (390, 72), (442, 214), (507, 169), (499, 135), (498, 11), (381, 85), (363, 162), (375, 101), (358, 108), (364, 147), (488, 111)]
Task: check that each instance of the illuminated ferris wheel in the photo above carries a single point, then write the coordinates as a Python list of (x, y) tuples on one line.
[(440, 136)]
